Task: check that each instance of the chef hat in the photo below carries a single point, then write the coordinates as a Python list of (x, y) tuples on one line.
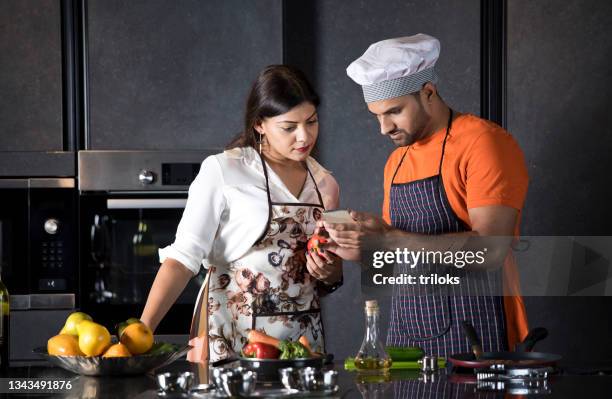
[(396, 67)]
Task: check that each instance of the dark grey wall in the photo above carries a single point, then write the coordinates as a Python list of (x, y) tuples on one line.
[(349, 141), (175, 75), (558, 108), (559, 57), (30, 76)]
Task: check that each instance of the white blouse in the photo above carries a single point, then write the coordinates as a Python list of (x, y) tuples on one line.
[(227, 207)]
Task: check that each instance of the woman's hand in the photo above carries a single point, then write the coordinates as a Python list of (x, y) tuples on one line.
[(324, 266)]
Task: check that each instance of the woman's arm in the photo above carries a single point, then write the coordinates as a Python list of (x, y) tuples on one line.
[(194, 239), (170, 281)]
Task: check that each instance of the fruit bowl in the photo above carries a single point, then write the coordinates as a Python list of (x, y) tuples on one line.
[(98, 365)]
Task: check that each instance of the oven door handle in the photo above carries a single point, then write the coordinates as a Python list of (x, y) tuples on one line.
[(146, 203)]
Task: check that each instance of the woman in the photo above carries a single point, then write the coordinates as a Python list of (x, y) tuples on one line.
[(248, 217)]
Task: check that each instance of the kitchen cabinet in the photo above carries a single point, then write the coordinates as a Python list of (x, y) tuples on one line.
[(174, 75), (32, 141)]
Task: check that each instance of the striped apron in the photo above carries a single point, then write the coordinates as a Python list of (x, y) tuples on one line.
[(269, 288), (429, 316)]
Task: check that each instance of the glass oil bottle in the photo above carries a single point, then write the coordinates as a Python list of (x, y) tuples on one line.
[(372, 357)]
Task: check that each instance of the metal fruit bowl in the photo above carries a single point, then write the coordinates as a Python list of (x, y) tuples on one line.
[(98, 365)]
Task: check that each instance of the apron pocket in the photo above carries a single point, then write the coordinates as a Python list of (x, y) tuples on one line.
[(423, 312)]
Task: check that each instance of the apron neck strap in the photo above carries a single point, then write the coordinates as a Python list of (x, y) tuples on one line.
[(448, 127), (265, 170), (316, 186)]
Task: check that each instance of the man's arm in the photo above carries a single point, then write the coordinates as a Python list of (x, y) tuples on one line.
[(492, 228)]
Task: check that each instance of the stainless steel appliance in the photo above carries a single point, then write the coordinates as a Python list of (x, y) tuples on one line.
[(130, 205)]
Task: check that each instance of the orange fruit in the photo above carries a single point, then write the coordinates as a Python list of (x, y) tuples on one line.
[(137, 337), (117, 350), (63, 345)]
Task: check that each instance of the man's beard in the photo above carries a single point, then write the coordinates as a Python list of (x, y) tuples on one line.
[(405, 138)]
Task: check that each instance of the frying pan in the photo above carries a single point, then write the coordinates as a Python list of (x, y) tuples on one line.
[(523, 357)]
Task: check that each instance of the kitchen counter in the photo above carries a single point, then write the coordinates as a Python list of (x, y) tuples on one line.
[(403, 384)]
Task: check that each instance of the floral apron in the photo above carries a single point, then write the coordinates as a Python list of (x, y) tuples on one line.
[(268, 289)]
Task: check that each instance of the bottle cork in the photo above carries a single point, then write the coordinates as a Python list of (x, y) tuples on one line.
[(371, 307)]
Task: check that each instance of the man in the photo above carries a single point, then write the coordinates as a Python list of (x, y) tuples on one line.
[(453, 177)]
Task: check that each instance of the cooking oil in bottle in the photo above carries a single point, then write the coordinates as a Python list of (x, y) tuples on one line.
[(4, 327), (372, 357), (370, 363)]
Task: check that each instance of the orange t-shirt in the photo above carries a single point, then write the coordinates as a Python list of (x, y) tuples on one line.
[(483, 165)]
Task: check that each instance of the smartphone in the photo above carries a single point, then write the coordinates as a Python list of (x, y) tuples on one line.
[(337, 216)]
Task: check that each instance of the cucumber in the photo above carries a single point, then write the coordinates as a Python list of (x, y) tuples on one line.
[(408, 353)]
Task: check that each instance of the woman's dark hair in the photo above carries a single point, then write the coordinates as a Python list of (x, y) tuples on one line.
[(277, 89)]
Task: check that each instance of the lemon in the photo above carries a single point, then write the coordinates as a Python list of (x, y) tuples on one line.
[(72, 321), (93, 338)]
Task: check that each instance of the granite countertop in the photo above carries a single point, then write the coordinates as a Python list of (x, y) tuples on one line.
[(404, 384)]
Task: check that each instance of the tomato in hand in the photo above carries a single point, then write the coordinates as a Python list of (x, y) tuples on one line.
[(315, 242)]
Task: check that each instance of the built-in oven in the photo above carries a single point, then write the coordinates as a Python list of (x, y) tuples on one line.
[(38, 235), (130, 204), (38, 258)]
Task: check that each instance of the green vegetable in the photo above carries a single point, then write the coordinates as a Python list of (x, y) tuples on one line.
[(349, 364), (159, 348), (409, 353), (293, 350)]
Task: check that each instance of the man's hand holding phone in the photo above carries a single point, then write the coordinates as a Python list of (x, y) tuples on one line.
[(352, 231)]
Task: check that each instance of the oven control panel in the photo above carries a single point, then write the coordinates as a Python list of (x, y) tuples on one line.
[(179, 174), (53, 238)]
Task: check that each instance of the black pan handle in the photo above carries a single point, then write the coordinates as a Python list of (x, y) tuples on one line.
[(225, 361), (473, 338), (535, 335)]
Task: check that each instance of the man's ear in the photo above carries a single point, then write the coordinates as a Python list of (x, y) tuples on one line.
[(429, 92)]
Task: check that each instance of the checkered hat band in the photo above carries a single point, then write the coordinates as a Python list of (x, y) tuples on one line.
[(399, 87)]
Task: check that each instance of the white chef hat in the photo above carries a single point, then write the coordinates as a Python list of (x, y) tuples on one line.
[(396, 67)]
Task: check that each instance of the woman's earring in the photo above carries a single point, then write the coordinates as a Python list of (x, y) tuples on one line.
[(262, 137)]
